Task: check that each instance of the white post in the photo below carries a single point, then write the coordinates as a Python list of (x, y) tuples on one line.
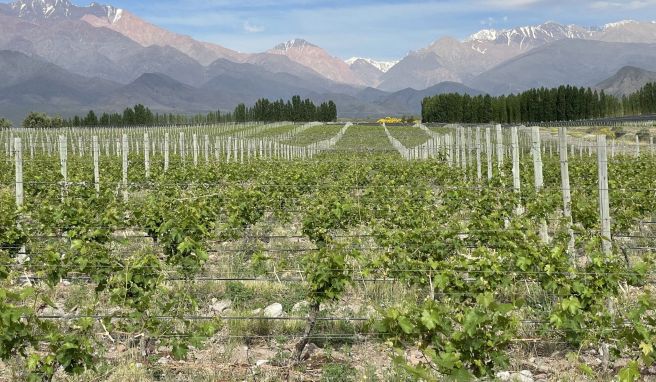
[(182, 148), (18, 151), (488, 151), (147, 155), (63, 157), (166, 152), (125, 150), (463, 148), (479, 170), (195, 144), (207, 149), (96, 159), (515, 158), (612, 149), (604, 199), (31, 141), (538, 176), (499, 147), (565, 186)]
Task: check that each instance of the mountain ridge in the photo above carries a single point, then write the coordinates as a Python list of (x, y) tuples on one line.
[(627, 80)]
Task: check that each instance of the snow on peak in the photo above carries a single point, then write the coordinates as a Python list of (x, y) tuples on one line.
[(291, 44), (42, 8), (619, 24), (485, 35), (383, 66), (62, 9), (112, 14), (549, 31)]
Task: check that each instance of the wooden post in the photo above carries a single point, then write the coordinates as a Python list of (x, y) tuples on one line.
[(96, 159), (565, 186), (124, 151), (147, 155), (604, 199), (18, 153), (637, 142)]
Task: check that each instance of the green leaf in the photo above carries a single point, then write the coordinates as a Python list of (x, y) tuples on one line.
[(630, 373), (406, 325), (430, 318)]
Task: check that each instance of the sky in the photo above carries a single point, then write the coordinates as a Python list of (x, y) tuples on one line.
[(379, 29)]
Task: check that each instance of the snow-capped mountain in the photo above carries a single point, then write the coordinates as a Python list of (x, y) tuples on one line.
[(50, 10), (118, 20), (529, 36), (295, 44), (34, 9), (118, 50), (448, 59), (383, 66), (317, 59)]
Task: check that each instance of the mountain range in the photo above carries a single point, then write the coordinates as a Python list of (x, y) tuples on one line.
[(62, 58)]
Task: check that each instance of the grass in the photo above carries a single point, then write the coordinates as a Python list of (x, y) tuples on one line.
[(409, 136), (314, 134), (273, 132)]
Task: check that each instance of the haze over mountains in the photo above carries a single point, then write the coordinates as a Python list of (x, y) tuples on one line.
[(62, 58)]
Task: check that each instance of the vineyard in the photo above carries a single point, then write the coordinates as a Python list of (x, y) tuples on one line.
[(326, 252)]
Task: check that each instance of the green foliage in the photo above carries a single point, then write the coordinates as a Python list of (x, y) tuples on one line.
[(73, 352), (644, 134), (5, 123), (16, 331), (327, 273), (238, 293), (36, 120), (337, 372), (462, 340), (296, 110), (12, 233), (136, 284), (469, 269), (565, 103)]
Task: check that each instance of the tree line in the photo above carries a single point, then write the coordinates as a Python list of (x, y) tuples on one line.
[(295, 110), (264, 110), (565, 103), (641, 102), (140, 115)]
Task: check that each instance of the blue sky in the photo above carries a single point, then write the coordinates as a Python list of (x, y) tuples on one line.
[(382, 29)]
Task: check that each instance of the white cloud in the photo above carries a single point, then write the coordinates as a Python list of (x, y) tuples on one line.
[(252, 28)]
